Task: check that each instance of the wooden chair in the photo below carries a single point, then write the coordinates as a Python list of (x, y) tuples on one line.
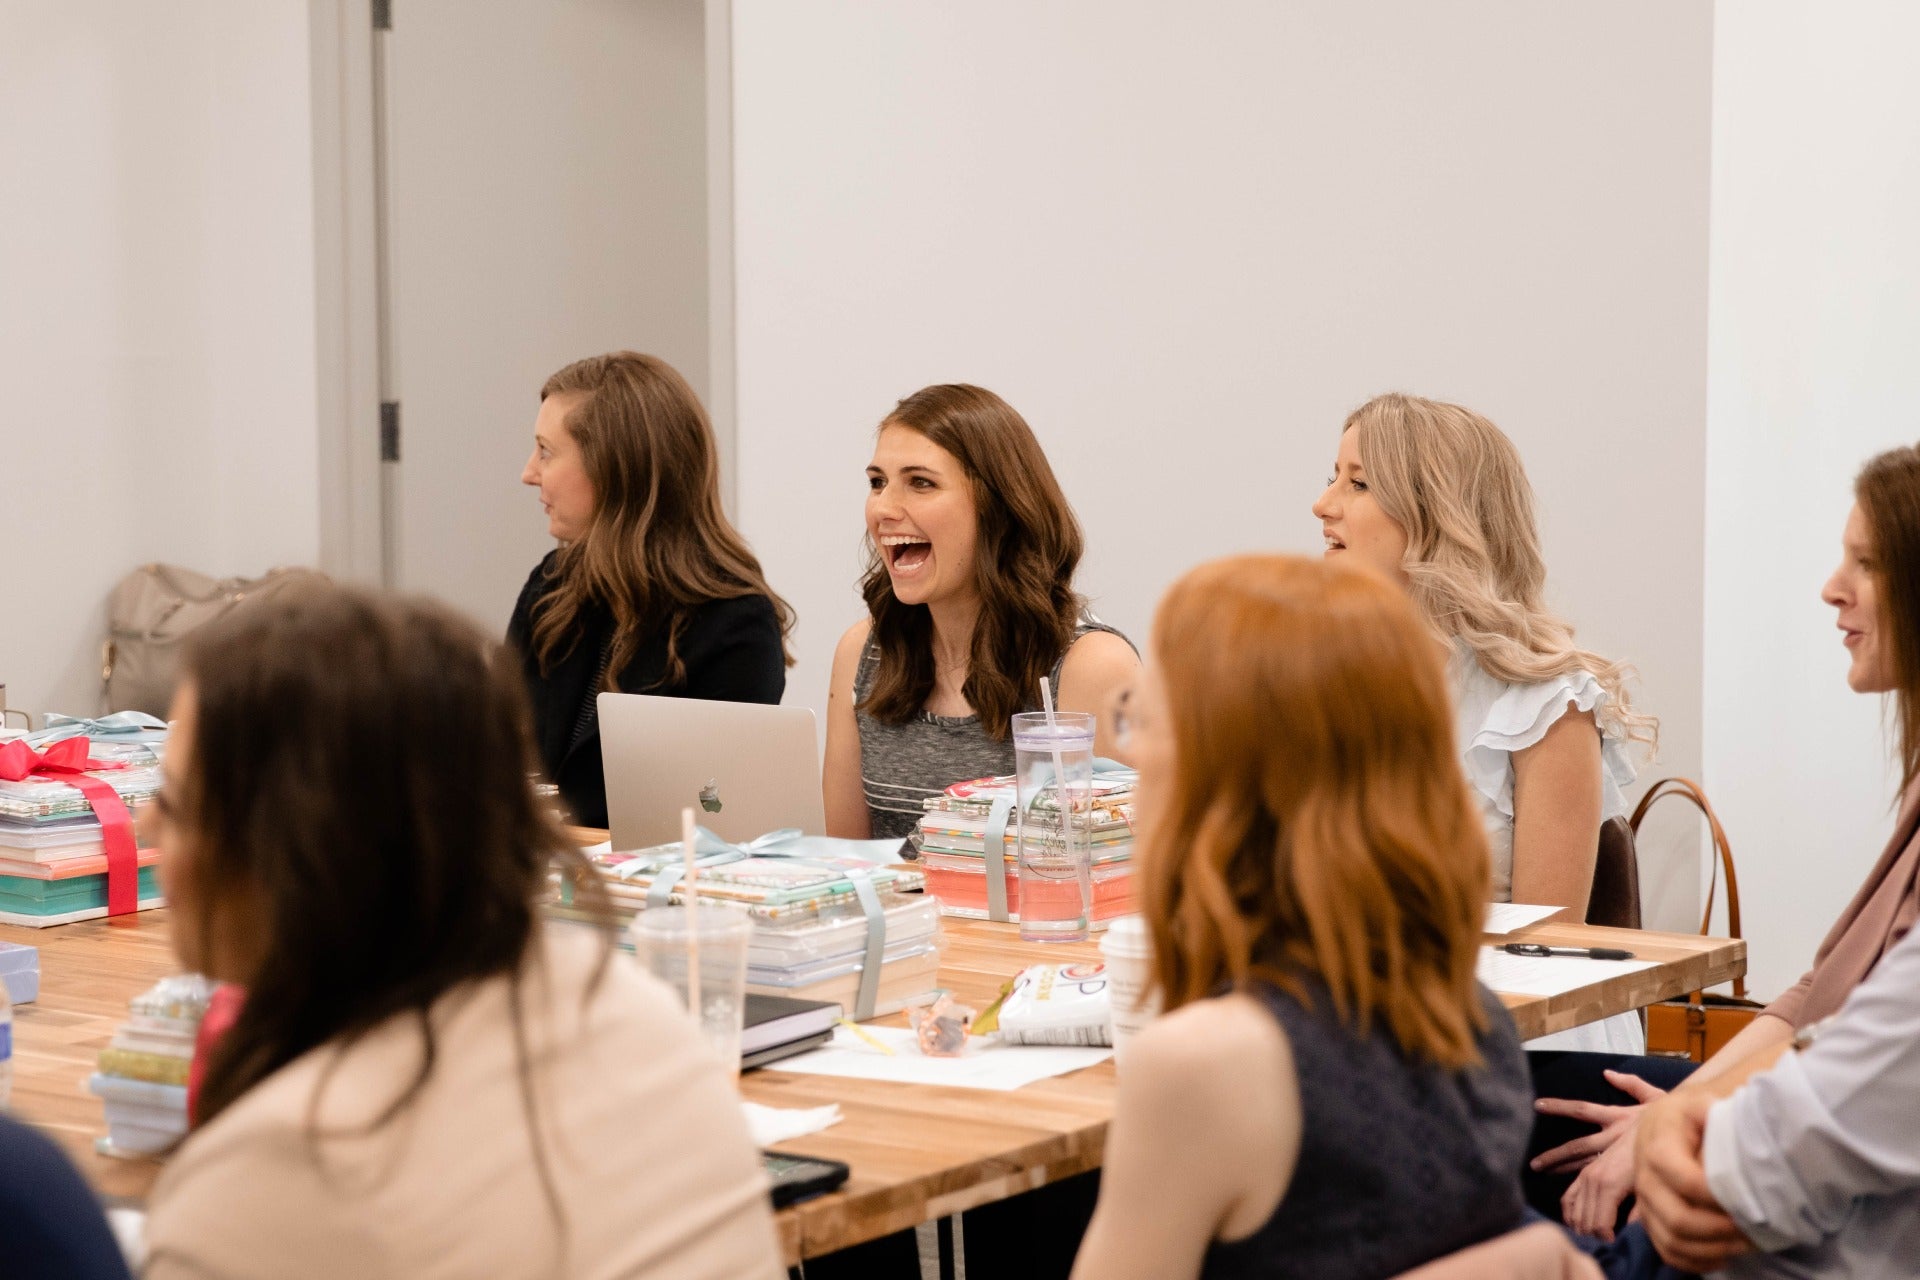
[(1615, 900)]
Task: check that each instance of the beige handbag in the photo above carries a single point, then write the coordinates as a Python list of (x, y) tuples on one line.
[(151, 611)]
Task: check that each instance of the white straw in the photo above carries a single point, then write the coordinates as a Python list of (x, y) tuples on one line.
[(1059, 768), (692, 883)]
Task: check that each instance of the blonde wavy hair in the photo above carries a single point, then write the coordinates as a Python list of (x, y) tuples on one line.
[(1342, 856), (1453, 481)]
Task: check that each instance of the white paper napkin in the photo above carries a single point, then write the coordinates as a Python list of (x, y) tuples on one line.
[(776, 1124)]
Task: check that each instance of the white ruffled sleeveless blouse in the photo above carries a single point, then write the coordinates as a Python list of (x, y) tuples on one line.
[(1494, 719)]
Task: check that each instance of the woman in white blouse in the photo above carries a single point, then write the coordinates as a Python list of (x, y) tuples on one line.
[(1434, 496)]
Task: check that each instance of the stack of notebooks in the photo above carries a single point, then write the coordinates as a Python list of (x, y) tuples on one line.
[(143, 1072), (53, 866), (952, 838), (810, 930), (773, 1027)]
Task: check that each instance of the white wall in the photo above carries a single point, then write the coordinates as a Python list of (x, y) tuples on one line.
[(1185, 240), (156, 311), (1814, 322)]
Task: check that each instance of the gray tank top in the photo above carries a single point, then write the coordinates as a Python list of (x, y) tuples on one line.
[(1400, 1162), (902, 764)]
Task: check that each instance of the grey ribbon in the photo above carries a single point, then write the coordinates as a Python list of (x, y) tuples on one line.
[(869, 992), (121, 726), (996, 851)]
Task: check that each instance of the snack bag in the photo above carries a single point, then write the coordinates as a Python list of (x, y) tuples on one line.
[(1063, 1004)]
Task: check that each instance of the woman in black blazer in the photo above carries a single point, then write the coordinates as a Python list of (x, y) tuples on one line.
[(651, 590)]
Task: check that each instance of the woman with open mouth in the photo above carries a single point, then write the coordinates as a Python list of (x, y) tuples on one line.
[(969, 588)]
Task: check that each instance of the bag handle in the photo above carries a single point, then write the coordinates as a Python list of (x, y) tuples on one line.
[(1690, 790)]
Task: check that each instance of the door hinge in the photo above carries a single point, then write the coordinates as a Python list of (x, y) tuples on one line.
[(390, 431), (383, 15)]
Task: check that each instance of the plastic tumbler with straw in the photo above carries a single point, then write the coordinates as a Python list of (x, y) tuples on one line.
[(699, 950), (1053, 768)]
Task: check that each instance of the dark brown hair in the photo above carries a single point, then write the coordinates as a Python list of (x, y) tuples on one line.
[(658, 545), (1029, 544), (359, 777), (1346, 847), (1888, 491)]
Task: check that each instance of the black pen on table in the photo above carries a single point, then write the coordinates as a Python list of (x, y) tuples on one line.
[(1584, 953)]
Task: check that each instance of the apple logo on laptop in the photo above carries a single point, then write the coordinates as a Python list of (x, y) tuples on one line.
[(710, 796)]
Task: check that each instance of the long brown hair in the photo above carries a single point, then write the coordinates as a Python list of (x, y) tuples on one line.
[(659, 545), (1316, 823), (1028, 548), (1454, 482), (360, 769), (1888, 491)]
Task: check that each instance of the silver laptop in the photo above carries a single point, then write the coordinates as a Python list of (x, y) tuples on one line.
[(743, 768)]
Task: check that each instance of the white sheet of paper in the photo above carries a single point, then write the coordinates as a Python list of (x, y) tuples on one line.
[(1507, 917), (1548, 975), (987, 1064)]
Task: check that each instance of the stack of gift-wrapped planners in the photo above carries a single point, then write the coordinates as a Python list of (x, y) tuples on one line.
[(811, 926), (143, 1072), (53, 861), (953, 834)]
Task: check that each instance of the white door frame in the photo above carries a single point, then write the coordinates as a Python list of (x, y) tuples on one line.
[(346, 305)]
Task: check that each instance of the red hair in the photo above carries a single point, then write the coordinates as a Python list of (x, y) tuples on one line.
[(1316, 824)]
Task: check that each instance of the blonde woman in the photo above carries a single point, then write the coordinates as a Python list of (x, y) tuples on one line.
[(1434, 496)]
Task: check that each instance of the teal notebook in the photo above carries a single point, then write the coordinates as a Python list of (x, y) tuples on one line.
[(31, 897)]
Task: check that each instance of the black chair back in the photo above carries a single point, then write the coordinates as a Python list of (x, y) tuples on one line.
[(1615, 900)]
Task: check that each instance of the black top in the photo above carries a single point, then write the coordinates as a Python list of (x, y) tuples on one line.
[(51, 1227), (731, 650), (1400, 1162)]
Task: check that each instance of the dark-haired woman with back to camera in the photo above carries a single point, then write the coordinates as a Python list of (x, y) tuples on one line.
[(971, 551), (424, 1080), (652, 590)]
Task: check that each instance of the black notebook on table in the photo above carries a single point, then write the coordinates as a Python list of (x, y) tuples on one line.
[(776, 1027)]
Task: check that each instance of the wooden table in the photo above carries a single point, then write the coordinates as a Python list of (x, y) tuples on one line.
[(918, 1153)]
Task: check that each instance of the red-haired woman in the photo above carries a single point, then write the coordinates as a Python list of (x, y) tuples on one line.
[(1330, 1092)]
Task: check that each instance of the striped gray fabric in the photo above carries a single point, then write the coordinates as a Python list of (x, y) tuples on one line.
[(903, 764)]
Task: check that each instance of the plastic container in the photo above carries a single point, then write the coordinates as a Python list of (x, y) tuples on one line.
[(1129, 957), (661, 939), (960, 883), (20, 971), (1053, 768)]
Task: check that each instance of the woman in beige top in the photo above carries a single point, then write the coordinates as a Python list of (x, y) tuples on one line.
[(1876, 595), (423, 1081)]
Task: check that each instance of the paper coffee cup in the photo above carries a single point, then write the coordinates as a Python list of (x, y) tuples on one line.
[(1129, 959)]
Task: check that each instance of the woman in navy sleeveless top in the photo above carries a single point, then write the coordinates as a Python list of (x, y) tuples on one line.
[(1330, 1093)]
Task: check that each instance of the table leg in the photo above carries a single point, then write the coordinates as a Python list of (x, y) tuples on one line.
[(944, 1228)]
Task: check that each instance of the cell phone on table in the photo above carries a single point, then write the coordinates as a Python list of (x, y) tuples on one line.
[(791, 1179)]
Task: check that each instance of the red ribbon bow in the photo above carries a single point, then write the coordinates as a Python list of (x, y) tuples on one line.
[(67, 761)]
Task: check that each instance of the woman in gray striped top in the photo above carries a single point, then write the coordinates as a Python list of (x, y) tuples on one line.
[(969, 588)]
